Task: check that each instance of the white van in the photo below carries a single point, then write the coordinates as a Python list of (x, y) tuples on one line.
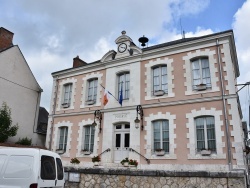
[(30, 168)]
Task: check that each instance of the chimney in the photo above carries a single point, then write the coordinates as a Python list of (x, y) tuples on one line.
[(77, 62), (5, 38)]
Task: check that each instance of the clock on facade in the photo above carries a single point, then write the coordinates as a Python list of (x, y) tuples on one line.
[(122, 47)]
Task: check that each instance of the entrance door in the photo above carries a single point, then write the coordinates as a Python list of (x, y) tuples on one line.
[(121, 142)]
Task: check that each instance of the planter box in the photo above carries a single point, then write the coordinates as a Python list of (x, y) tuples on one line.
[(160, 153), (60, 151), (159, 93), (84, 152), (126, 164), (65, 105), (90, 102), (201, 87), (205, 152), (96, 163)]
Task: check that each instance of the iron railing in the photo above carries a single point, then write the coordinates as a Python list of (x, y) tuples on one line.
[(148, 161), (107, 150)]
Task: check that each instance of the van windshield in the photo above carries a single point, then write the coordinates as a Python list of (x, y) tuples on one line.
[(48, 169)]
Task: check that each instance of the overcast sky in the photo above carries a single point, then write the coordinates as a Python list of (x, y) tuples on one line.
[(50, 33)]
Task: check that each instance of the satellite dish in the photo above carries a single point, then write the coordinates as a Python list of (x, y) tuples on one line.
[(143, 40)]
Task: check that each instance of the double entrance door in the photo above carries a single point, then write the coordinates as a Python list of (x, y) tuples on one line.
[(121, 142)]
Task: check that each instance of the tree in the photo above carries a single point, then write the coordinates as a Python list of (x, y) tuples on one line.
[(6, 128)]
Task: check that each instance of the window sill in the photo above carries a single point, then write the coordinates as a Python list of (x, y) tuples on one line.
[(86, 152), (65, 105), (91, 102)]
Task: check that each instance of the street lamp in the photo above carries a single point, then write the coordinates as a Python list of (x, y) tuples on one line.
[(139, 111), (98, 116)]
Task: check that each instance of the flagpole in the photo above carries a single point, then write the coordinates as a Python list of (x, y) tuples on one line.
[(110, 93)]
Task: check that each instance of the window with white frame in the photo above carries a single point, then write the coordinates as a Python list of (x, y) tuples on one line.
[(92, 90), (160, 81), (63, 136), (67, 95), (205, 133), (89, 135), (201, 73), (124, 84), (161, 135)]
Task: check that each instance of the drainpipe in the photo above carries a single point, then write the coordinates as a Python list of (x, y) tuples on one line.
[(229, 152), (53, 113)]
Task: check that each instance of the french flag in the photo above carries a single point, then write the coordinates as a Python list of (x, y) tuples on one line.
[(106, 97)]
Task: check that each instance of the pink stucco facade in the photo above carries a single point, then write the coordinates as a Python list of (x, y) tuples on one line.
[(180, 105)]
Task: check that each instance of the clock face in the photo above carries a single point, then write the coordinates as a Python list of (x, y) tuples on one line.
[(122, 47)]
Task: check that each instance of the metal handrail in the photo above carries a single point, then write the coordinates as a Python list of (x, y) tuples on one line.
[(148, 161), (107, 150)]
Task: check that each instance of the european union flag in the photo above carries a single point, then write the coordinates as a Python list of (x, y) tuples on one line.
[(121, 95)]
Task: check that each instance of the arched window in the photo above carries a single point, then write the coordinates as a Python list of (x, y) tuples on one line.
[(160, 80), (63, 136), (201, 73), (124, 84), (205, 133), (92, 90), (89, 136), (67, 95), (161, 135)]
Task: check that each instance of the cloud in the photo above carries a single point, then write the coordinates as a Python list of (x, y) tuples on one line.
[(241, 26), (51, 33)]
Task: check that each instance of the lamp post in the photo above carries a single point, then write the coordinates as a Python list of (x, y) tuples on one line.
[(98, 116), (139, 111)]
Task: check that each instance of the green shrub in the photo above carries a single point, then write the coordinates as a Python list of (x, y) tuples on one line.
[(24, 141)]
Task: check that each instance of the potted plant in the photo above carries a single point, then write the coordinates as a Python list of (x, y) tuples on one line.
[(125, 162), (159, 92), (201, 87), (86, 152), (96, 160), (205, 152), (74, 161), (133, 162), (159, 152)]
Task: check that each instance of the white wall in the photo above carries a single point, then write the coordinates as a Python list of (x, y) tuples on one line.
[(21, 92)]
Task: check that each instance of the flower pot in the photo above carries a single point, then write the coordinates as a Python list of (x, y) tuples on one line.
[(126, 164), (90, 102), (160, 153), (86, 152), (96, 163), (205, 152), (201, 87), (159, 93)]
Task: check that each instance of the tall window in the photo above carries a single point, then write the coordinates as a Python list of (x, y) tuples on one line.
[(161, 135), (89, 135), (201, 72), (92, 90), (160, 81), (63, 138), (123, 82), (67, 93), (205, 133)]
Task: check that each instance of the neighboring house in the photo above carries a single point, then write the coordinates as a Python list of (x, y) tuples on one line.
[(19, 89), (183, 92)]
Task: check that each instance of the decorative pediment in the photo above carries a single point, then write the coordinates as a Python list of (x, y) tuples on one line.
[(110, 55), (123, 38)]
